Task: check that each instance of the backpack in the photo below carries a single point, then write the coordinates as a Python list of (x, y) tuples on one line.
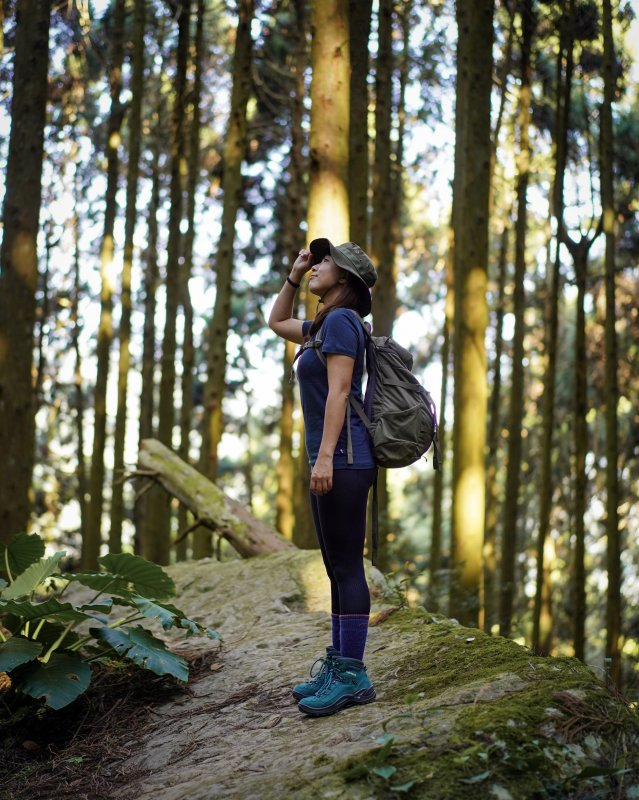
[(398, 412)]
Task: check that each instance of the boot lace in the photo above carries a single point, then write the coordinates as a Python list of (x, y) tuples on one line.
[(336, 675)]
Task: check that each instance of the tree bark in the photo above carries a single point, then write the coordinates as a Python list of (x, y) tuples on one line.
[(231, 188), (328, 209), (133, 170), (166, 406), (489, 593), (516, 406), (358, 171), (613, 548), (188, 345), (209, 505), (470, 223), (19, 263), (564, 85), (91, 547)]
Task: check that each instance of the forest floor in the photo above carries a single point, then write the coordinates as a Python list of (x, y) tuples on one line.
[(459, 714)]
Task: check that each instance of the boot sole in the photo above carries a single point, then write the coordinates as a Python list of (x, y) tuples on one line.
[(359, 699)]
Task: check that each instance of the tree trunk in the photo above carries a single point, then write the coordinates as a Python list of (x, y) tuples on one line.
[(564, 83), (166, 415), (516, 407), (470, 223), (188, 345), (91, 547), (360, 29), (209, 505), (382, 252), (580, 429), (489, 594), (294, 239), (19, 263), (142, 511), (133, 170), (231, 188), (613, 549), (328, 208)]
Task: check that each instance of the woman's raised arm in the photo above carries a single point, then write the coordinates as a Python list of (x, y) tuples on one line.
[(281, 318)]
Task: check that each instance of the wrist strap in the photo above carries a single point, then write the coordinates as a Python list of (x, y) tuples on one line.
[(293, 284)]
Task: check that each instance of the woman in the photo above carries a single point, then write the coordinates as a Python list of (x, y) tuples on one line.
[(342, 466)]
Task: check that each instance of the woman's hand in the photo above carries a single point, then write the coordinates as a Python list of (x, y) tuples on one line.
[(302, 264), (322, 475)]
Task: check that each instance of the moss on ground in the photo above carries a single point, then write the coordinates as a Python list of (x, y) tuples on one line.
[(485, 717)]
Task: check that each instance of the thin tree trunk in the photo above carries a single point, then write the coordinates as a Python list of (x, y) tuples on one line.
[(470, 222), (166, 415), (580, 430), (231, 188), (42, 315), (133, 170), (382, 252), (613, 549), (564, 83), (489, 594), (80, 403), (188, 345), (19, 263), (516, 406), (143, 518), (91, 547), (360, 29)]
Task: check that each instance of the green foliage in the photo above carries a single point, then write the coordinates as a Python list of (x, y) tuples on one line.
[(41, 652)]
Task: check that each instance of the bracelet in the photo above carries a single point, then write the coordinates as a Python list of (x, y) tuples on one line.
[(293, 284)]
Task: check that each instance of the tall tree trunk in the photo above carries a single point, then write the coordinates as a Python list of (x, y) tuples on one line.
[(613, 549), (289, 479), (470, 222), (19, 262), (91, 547), (488, 610), (133, 170), (231, 188), (166, 415), (516, 407), (564, 84), (188, 345), (580, 430), (382, 252), (360, 29), (144, 534), (79, 400), (328, 208)]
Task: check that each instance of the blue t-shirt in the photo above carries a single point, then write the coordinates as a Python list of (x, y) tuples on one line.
[(342, 334)]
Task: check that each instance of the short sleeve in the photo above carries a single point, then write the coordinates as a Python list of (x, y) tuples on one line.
[(341, 335), (306, 325)]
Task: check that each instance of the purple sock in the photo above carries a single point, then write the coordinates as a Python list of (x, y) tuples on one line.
[(335, 629), (353, 630)]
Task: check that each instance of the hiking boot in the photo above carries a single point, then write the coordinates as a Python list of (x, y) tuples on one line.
[(347, 684), (309, 688)]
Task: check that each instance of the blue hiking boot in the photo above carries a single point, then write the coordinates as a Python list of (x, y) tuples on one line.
[(347, 684), (309, 688)]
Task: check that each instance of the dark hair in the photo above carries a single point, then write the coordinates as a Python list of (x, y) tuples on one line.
[(351, 295)]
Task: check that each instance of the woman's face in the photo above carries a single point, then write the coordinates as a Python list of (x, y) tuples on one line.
[(325, 276)]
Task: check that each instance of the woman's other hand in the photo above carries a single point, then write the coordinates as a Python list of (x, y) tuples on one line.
[(303, 262), (322, 476)]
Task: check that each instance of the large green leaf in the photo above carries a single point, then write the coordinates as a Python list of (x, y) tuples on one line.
[(17, 650), (59, 681), (147, 578), (170, 616), (127, 574), (32, 577), (22, 551), (49, 609), (144, 649)]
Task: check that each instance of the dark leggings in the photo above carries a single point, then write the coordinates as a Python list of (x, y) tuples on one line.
[(340, 522)]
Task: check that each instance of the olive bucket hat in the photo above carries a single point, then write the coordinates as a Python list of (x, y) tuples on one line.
[(350, 257)]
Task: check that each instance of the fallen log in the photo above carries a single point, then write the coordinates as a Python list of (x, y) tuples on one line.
[(210, 506)]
